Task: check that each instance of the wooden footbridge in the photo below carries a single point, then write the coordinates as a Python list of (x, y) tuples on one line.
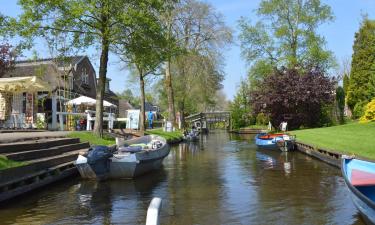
[(210, 120)]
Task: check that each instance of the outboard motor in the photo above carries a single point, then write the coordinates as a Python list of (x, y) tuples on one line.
[(98, 159)]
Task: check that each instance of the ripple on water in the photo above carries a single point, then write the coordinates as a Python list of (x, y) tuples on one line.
[(218, 181)]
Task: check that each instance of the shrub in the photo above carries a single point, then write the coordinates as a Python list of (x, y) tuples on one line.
[(297, 97), (369, 114), (358, 110), (262, 119)]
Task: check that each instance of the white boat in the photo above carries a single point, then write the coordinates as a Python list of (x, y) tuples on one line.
[(128, 159), (192, 136)]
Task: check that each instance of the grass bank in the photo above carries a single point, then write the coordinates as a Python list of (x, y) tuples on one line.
[(6, 163), (171, 137), (88, 136), (260, 127), (353, 138)]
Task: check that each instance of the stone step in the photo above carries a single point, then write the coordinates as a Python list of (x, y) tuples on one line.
[(36, 165), (42, 153), (35, 144)]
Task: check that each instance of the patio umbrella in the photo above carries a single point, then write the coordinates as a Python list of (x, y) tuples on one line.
[(87, 101)]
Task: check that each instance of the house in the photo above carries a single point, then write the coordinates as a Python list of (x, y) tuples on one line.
[(71, 77), (123, 106), (68, 78)]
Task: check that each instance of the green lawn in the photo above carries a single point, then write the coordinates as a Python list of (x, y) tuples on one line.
[(89, 136), (353, 138), (7, 163), (169, 136)]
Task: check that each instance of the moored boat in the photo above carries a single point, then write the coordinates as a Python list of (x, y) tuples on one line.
[(268, 141), (286, 143), (359, 176), (192, 136), (128, 159)]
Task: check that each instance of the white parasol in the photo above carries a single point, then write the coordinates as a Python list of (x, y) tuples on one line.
[(87, 101)]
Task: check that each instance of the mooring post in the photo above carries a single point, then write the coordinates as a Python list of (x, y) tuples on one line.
[(153, 212)]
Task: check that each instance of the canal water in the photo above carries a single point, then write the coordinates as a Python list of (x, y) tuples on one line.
[(223, 179)]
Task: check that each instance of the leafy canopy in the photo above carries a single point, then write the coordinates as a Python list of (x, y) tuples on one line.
[(286, 35), (361, 88)]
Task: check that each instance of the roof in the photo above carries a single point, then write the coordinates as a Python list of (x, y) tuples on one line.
[(45, 69), (149, 107), (40, 71), (68, 61), (125, 104), (24, 84)]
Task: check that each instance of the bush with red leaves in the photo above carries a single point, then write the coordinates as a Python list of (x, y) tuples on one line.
[(296, 98), (6, 59)]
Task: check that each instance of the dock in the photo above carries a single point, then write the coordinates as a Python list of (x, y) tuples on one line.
[(49, 157)]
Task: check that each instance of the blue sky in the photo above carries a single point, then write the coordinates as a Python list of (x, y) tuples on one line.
[(339, 35)]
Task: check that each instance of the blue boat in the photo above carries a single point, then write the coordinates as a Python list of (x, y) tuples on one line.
[(359, 176), (268, 141)]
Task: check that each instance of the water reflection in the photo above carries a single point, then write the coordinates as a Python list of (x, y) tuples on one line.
[(223, 179)]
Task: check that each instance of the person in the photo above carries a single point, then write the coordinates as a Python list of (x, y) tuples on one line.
[(283, 126), (150, 120)]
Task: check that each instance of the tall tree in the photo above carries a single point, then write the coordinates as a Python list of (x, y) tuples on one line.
[(286, 35), (97, 23), (192, 26), (202, 34), (360, 91), (144, 51)]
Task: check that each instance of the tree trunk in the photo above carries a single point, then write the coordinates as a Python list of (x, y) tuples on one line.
[(143, 112), (98, 128), (169, 88)]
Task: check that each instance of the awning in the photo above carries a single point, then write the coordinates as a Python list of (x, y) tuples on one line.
[(23, 84), (87, 101)]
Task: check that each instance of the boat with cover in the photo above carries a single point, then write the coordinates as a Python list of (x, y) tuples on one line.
[(128, 159), (359, 176)]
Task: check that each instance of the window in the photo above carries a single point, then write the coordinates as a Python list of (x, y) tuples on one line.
[(84, 76), (70, 80)]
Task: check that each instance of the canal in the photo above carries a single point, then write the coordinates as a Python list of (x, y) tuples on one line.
[(223, 179)]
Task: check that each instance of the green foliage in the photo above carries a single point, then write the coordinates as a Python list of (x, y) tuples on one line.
[(358, 109), (94, 23), (171, 137), (340, 100), (262, 119), (286, 34), (369, 114), (353, 138), (240, 108), (361, 82), (87, 136), (346, 83), (6, 163)]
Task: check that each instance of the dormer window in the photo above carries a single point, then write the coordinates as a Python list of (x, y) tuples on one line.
[(84, 76)]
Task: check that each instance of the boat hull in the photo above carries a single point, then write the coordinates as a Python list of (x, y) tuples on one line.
[(125, 165), (364, 204), (266, 143)]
